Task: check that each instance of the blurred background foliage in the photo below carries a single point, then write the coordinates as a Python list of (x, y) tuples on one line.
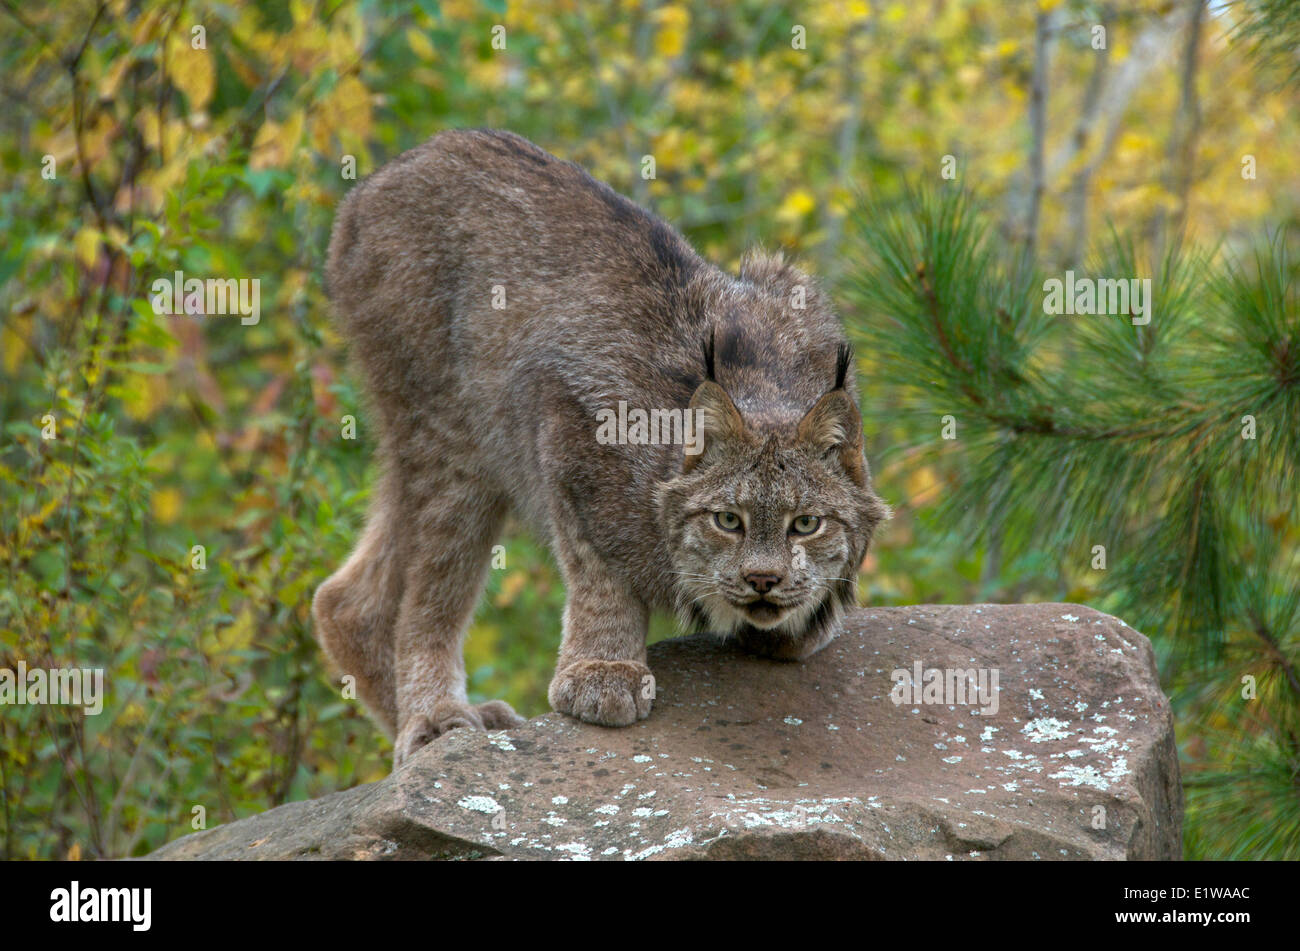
[(141, 137)]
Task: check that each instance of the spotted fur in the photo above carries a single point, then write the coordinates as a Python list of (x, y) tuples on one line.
[(483, 410)]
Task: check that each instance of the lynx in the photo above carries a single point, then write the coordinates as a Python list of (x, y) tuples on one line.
[(499, 303)]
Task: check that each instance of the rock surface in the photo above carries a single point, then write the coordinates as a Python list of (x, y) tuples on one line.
[(744, 758)]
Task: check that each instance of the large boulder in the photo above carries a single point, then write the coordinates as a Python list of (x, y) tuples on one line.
[(744, 758)]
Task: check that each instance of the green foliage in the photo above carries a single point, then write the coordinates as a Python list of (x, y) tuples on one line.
[(1173, 444), (1271, 31)]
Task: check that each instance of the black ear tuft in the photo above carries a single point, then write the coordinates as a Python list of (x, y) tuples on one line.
[(709, 371), (843, 360)]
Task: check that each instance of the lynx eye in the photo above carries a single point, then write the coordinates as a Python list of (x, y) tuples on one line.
[(727, 521), (806, 524)]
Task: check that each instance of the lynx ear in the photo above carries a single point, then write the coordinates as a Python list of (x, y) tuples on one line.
[(834, 426), (719, 422)]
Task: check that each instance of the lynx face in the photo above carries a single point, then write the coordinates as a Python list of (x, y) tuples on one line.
[(766, 529)]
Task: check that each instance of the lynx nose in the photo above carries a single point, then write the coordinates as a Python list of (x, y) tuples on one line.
[(762, 583)]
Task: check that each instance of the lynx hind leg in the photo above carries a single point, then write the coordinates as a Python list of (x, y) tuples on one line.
[(355, 611), (451, 535)]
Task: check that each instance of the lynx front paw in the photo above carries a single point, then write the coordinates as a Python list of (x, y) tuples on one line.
[(605, 692), (422, 730)]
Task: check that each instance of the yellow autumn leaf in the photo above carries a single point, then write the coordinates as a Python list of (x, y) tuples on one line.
[(480, 646), (166, 505), (174, 134), (145, 396), (275, 143), (158, 182), (511, 586), (292, 132), (797, 204), (670, 42), (420, 44), (265, 152), (146, 122), (342, 46), (236, 636), (921, 484), (351, 102), (146, 27), (1133, 143), (13, 341), (86, 246), (192, 72), (671, 38), (37, 519), (667, 148), (112, 78), (116, 236)]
